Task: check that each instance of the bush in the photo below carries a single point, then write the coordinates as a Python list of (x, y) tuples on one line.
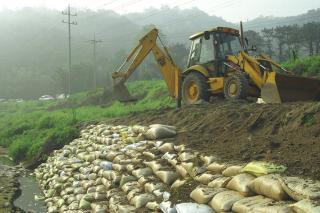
[(46, 123)]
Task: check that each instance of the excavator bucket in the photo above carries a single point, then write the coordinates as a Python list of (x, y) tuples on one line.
[(286, 88), (122, 93)]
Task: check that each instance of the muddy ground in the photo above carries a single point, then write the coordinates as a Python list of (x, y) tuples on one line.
[(287, 134)]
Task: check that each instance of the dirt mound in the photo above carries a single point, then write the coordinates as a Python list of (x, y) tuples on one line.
[(240, 132)]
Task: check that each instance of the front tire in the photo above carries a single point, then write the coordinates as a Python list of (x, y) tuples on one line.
[(195, 88), (236, 87)]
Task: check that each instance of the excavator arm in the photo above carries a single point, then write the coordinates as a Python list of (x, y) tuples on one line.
[(170, 71)]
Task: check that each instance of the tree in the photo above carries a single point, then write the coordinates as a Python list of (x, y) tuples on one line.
[(280, 36), (255, 38), (268, 36)]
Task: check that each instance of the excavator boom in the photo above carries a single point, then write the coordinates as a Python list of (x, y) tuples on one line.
[(169, 70)]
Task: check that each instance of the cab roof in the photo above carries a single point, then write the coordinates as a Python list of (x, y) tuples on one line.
[(218, 29)]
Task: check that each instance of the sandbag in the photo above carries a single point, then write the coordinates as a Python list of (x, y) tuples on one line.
[(259, 168), (166, 147), (142, 172), (207, 160), (246, 205), (152, 205), (276, 207), (216, 167), (182, 171), (232, 171), (186, 156), (159, 132), (223, 201), (178, 183), (84, 204), (300, 189), (193, 207), (168, 177), (129, 186), (306, 206), (206, 178), (141, 200), (203, 194), (241, 183), (219, 182), (269, 186), (150, 187)]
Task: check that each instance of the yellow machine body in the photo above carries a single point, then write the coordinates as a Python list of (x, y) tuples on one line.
[(261, 74)]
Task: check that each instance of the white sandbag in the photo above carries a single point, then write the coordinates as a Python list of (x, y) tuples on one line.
[(193, 207), (232, 170), (299, 189), (219, 182), (168, 177), (246, 205), (159, 132), (259, 168), (150, 187), (162, 125), (181, 171), (216, 167), (207, 160), (275, 207), (223, 201), (142, 172), (186, 156), (269, 186), (306, 206), (106, 165), (166, 147), (241, 183), (206, 178), (126, 178), (129, 186), (178, 183), (152, 205), (203, 194), (141, 200), (167, 207)]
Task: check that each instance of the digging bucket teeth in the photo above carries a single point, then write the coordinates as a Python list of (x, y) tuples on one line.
[(286, 88)]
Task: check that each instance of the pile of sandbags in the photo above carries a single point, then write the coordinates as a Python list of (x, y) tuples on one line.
[(126, 169)]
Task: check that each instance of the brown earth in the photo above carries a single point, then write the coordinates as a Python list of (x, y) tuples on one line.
[(287, 134)]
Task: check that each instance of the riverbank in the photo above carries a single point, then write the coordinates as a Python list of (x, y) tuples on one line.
[(9, 184)]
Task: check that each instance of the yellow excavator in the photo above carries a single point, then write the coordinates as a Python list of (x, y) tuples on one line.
[(219, 64)]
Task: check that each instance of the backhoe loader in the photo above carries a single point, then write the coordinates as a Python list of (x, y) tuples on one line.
[(219, 65)]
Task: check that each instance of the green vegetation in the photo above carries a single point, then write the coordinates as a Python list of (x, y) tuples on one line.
[(305, 66), (30, 130)]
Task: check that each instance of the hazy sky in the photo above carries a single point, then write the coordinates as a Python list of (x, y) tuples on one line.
[(231, 10)]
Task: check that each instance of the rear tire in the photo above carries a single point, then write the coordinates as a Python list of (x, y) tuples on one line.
[(236, 87), (195, 88)]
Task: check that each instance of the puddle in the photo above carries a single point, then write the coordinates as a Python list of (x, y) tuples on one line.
[(29, 188)]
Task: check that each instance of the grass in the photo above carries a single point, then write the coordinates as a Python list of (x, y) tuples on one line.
[(31, 131), (305, 66)]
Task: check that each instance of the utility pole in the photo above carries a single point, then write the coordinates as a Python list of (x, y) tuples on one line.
[(68, 74), (94, 41)]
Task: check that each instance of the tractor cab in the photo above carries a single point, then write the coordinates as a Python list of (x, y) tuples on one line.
[(210, 48)]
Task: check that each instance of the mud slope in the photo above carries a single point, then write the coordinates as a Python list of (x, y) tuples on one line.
[(288, 134)]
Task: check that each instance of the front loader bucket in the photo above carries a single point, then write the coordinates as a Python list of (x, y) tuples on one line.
[(284, 88), (122, 93)]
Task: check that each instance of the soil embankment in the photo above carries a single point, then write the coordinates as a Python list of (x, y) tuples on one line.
[(287, 134)]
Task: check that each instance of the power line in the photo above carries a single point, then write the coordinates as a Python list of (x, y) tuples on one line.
[(69, 22), (94, 42)]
